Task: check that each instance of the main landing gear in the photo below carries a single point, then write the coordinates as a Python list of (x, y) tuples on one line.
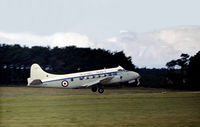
[(100, 89)]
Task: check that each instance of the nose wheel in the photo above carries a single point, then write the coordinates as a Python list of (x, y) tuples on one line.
[(99, 88), (137, 82)]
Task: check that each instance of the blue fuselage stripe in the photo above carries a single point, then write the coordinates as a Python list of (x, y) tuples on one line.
[(84, 76)]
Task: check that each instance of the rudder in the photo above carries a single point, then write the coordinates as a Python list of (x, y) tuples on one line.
[(36, 73)]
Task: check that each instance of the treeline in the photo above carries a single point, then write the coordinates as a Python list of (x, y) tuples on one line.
[(15, 61), (153, 78), (182, 73)]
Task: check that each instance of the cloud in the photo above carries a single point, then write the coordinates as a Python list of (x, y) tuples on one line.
[(57, 39), (182, 39), (113, 39), (152, 49), (155, 49)]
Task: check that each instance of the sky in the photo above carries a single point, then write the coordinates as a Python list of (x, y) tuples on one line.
[(152, 32)]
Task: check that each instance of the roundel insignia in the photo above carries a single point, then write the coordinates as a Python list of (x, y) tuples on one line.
[(64, 83)]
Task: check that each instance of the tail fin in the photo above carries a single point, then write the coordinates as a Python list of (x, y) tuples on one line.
[(36, 73)]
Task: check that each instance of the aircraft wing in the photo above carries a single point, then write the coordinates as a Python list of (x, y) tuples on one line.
[(99, 81)]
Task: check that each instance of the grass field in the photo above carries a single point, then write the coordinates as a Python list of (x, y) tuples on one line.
[(50, 107)]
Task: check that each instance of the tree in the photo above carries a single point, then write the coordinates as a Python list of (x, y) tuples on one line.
[(182, 62), (193, 72), (177, 77), (171, 65)]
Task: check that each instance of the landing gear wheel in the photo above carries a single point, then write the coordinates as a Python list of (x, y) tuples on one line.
[(94, 89), (101, 90)]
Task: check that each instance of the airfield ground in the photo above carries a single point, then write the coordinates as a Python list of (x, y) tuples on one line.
[(50, 107)]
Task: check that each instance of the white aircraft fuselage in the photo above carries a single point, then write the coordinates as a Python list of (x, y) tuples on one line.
[(95, 79)]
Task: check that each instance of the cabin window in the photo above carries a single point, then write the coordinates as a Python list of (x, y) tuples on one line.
[(81, 78), (109, 74), (87, 77), (91, 76)]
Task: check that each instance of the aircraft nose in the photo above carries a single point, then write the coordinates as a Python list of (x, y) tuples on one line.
[(138, 75), (135, 75)]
